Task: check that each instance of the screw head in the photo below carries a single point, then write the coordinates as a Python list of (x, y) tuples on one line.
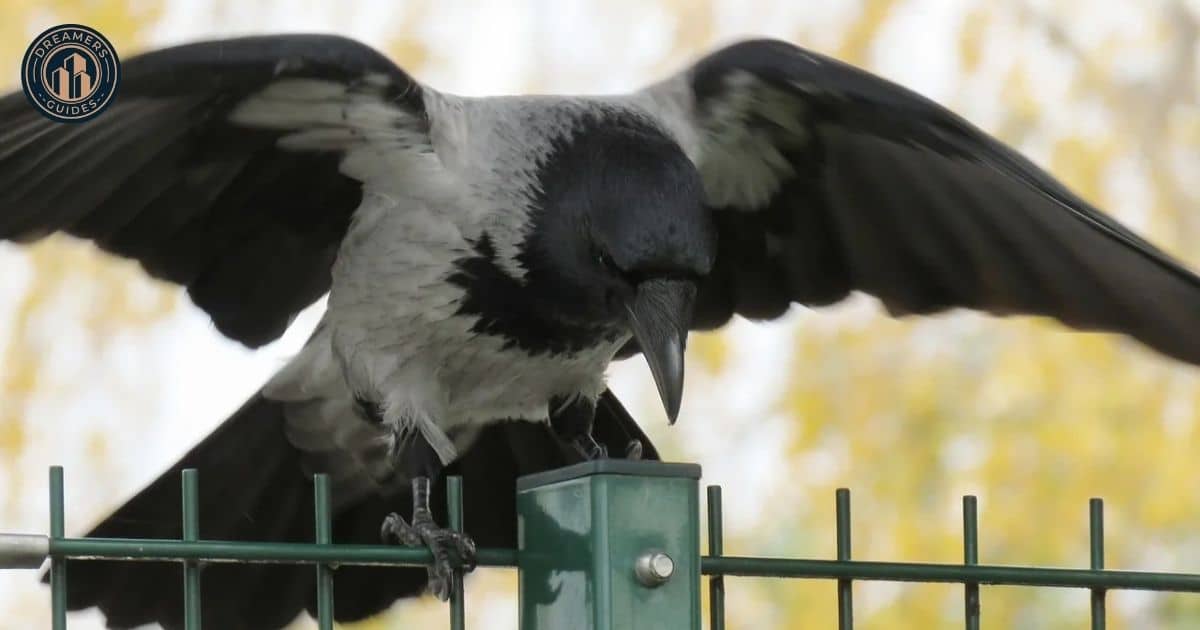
[(653, 568)]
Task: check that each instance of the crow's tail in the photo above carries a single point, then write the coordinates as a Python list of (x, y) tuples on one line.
[(252, 488)]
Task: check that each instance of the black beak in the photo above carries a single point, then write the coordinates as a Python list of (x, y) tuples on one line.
[(659, 315)]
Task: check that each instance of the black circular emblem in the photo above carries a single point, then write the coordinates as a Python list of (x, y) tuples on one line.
[(70, 73)]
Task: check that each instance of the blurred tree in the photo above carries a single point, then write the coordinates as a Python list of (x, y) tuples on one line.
[(60, 277)]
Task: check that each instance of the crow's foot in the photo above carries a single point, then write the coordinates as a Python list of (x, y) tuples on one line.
[(449, 547), (588, 447)]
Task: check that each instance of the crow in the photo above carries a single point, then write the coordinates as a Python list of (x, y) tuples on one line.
[(486, 258)]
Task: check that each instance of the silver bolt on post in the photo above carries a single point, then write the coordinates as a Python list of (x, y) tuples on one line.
[(653, 568)]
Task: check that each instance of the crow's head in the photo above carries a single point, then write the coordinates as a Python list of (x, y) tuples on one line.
[(622, 235)]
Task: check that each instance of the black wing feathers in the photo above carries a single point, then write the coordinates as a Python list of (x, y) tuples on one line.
[(892, 194), (164, 177)]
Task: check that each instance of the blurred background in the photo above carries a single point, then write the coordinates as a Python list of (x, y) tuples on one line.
[(114, 376)]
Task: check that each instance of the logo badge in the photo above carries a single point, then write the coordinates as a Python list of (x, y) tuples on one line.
[(70, 73)]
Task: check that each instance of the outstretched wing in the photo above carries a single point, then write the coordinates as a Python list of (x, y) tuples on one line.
[(229, 167), (825, 179)]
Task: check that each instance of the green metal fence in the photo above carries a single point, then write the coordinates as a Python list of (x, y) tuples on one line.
[(627, 533)]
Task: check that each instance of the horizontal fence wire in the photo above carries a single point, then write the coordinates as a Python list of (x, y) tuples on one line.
[(162, 550), (992, 575), (135, 549), (192, 551)]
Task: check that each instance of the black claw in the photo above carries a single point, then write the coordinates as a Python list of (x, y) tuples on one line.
[(589, 448), (395, 528), (633, 450)]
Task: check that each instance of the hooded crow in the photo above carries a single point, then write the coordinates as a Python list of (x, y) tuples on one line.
[(486, 258)]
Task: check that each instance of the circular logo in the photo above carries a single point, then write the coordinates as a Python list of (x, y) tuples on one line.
[(70, 73)]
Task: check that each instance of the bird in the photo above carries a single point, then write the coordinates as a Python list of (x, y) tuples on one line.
[(486, 258)]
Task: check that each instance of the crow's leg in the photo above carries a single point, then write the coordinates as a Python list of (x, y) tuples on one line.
[(423, 466), (572, 422)]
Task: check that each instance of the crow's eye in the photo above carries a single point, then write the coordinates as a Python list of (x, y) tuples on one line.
[(610, 266), (606, 261)]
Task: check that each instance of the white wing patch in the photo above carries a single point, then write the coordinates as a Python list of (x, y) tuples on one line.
[(737, 139), (745, 133), (311, 103), (382, 142)]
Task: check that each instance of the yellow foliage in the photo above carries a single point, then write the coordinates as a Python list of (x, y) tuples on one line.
[(709, 349), (861, 34), (1082, 163), (970, 41), (125, 297)]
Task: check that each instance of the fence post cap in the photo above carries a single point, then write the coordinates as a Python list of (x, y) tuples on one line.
[(628, 467)]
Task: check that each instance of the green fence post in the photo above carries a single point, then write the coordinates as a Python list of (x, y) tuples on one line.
[(610, 545)]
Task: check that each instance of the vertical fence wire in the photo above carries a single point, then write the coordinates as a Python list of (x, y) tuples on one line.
[(454, 502), (716, 547), (324, 531), (189, 480), (845, 586), (970, 557), (58, 566), (1096, 527)]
